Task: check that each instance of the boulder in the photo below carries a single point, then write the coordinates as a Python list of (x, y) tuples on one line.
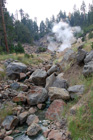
[(56, 81), (76, 90), (20, 98), (32, 119), (33, 129), (88, 69), (89, 57), (14, 69), (55, 110), (55, 135), (23, 117), (8, 138), (53, 69), (58, 93), (10, 122), (39, 77), (50, 80), (37, 95), (81, 56)]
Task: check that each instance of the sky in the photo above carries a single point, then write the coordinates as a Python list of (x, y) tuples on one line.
[(43, 9)]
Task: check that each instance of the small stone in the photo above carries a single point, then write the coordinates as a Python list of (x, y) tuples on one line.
[(23, 117), (32, 119), (22, 76), (32, 110), (8, 138), (41, 106)]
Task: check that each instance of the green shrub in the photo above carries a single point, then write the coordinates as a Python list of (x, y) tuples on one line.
[(19, 48), (92, 45), (40, 49), (27, 55), (90, 35)]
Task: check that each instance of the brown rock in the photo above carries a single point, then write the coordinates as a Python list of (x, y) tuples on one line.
[(8, 138), (32, 110), (19, 98), (2, 133), (32, 119), (55, 135), (22, 76), (41, 106), (55, 110), (46, 133), (23, 117)]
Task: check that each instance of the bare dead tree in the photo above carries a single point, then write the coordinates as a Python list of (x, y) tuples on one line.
[(2, 2)]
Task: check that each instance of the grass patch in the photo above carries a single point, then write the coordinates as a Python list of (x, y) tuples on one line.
[(81, 126)]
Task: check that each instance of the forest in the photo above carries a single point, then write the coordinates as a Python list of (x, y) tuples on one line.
[(26, 30)]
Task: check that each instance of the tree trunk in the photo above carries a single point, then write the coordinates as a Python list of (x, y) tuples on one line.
[(4, 28)]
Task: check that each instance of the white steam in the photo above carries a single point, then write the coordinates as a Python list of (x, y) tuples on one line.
[(64, 35)]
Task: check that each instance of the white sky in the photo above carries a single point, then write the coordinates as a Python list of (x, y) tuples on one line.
[(43, 8)]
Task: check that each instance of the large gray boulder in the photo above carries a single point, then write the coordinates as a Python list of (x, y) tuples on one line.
[(33, 129), (14, 69), (53, 69), (39, 77), (55, 81), (76, 90), (81, 56), (89, 57), (10, 122), (37, 95), (58, 93), (88, 69)]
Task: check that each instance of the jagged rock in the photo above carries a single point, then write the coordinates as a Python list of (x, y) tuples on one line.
[(14, 69), (39, 77), (81, 56), (23, 117), (20, 98), (88, 69), (89, 57), (61, 83), (33, 129), (55, 135), (76, 90), (56, 81), (53, 69), (50, 80), (32, 119), (8, 138), (58, 93), (55, 110), (37, 95), (69, 55), (10, 122)]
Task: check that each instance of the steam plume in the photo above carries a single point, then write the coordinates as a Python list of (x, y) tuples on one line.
[(65, 34)]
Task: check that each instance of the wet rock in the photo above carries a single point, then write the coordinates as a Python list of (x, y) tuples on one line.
[(55, 135), (58, 93), (39, 77), (23, 117), (32, 110), (14, 68), (15, 85), (37, 95), (88, 69), (53, 69), (76, 90), (10, 122), (32, 119), (8, 138), (20, 98), (33, 129), (89, 57), (55, 110), (81, 56)]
